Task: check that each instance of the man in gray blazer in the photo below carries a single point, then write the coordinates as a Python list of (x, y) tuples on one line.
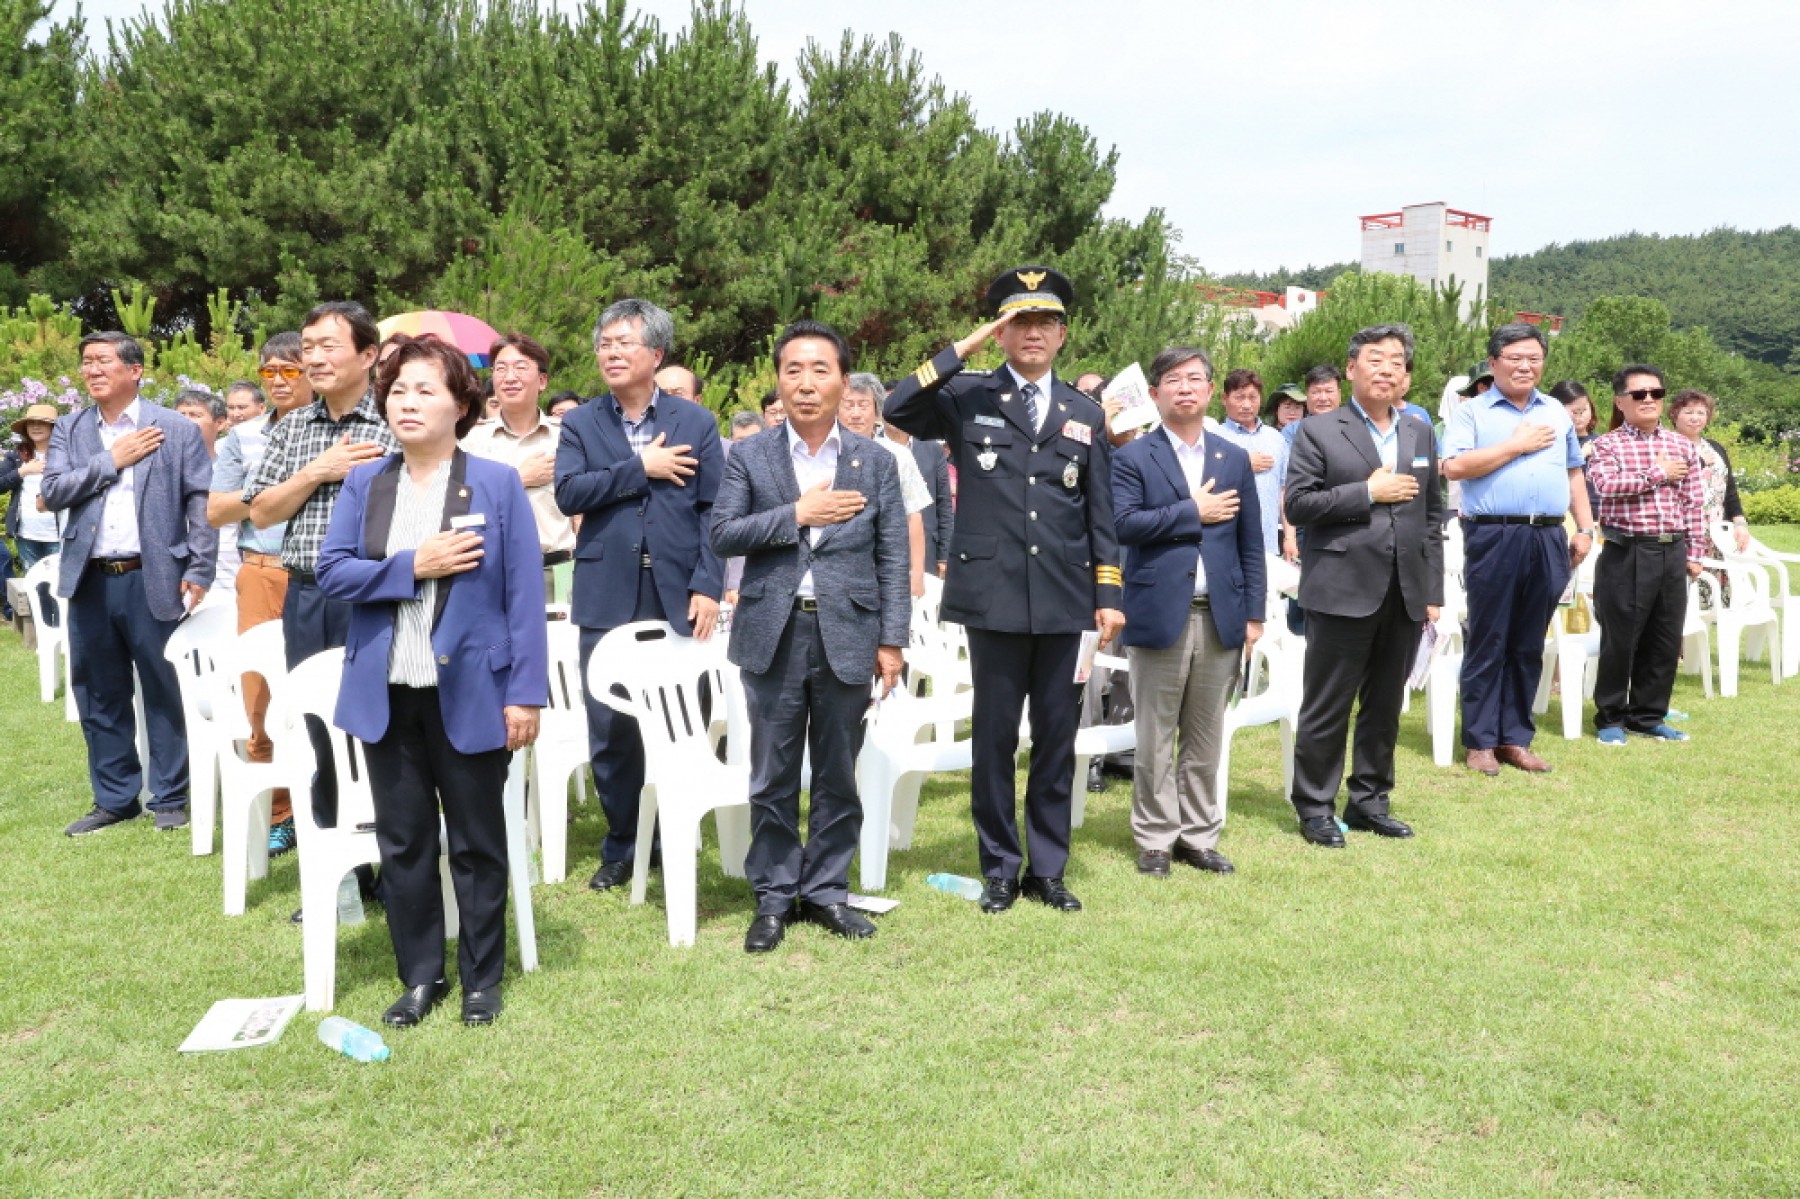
[(137, 555), (816, 514)]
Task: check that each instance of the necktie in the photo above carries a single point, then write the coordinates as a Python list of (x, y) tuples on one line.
[(1029, 394)]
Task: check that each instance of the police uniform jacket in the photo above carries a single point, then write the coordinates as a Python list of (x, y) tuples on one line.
[(1033, 550)]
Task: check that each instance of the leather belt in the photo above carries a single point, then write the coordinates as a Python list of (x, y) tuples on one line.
[(118, 566), (1648, 538), (305, 576), (1536, 522), (806, 605), (1201, 601), (557, 557), (258, 558)]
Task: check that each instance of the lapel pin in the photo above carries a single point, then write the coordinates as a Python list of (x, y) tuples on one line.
[(856, 462)]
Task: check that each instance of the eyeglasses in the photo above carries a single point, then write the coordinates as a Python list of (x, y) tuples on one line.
[(1522, 359), (1641, 394), (622, 344), (522, 369), (271, 373), (99, 363), (1195, 380)]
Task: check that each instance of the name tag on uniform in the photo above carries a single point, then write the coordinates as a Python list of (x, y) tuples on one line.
[(982, 418), (472, 520), (1421, 462), (1076, 431)]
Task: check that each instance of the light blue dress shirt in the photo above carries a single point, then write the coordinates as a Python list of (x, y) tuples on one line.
[(1535, 484)]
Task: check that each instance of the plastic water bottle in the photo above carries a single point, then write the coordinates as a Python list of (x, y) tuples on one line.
[(955, 884), (350, 905), (353, 1040)]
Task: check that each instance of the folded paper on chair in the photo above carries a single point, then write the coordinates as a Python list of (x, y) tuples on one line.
[(242, 1024), (1428, 649)]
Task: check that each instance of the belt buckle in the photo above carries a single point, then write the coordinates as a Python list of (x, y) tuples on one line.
[(808, 605), (1665, 538), (646, 561)]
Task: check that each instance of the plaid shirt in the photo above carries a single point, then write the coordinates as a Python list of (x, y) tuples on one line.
[(644, 432), (297, 440), (1636, 497)]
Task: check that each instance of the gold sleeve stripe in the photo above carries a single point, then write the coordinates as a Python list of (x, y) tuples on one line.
[(1109, 576), (926, 375)]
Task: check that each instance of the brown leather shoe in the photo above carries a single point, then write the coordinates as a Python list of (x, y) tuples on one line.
[(1524, 759), (1484, 761)]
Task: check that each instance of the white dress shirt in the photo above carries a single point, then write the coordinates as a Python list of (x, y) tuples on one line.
[(810, 470), (1193, 469), (1044, 386), (118, 536)]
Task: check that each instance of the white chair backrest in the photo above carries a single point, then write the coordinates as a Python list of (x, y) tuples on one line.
[(40, 586), (664, 677), (260, 650), (194, 649), (566, 694), (621, 659), (312, 690)]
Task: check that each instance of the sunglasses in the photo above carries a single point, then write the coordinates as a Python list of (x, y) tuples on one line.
[(271, 373), (1648, 393)]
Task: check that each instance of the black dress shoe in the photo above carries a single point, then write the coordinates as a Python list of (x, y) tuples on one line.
[(1051, 893), (1323, 830), (1381, 826), (1096, 776), (610, 875), (765, 934), (1204, 859), (415, 1004), (1153, 862), (482, 1007), (1001, 894), (838, 919)]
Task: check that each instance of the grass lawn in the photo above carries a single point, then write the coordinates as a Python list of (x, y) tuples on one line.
[(1583, 984)]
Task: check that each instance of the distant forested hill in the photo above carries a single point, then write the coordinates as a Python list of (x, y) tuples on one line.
[(1743, 287)]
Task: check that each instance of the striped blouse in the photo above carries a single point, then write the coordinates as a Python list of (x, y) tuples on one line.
[(417, 513)]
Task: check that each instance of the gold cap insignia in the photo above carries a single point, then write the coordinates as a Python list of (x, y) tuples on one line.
[(1031, 279)]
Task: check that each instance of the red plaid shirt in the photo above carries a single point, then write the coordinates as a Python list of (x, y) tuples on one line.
[(1637, 497)]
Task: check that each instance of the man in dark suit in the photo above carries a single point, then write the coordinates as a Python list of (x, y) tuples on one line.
[(1033, 565), (1363, 484), (641, 468), (137, 556), (1186, 507), (815, 511)]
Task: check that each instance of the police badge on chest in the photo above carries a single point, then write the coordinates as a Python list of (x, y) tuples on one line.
[(1071, 474), (988, 455)]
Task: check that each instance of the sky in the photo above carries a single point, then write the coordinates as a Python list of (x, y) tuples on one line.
[(1265, 128)]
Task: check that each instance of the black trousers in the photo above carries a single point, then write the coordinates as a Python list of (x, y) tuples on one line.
[(411, 771), (1361, 660), (1640, 600), (615, 745), (110, 631), (311, 624), (1009, 668), (796, 705)]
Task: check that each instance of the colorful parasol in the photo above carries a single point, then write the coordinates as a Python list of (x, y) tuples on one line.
[(471, 335)]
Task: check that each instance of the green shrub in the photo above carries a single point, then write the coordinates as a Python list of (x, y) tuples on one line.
[(1775, 506)]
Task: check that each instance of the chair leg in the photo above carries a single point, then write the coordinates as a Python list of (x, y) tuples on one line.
[(1574, 677), (236, 853), (1728, 660), (681, 850), (1078, 793), (552, 808), (518, 865), (875, 784), (1287, 759), (1222, 775), (903, 814), (452, 914), (733, 823), (318, 937), (646, 839), (203, 795)]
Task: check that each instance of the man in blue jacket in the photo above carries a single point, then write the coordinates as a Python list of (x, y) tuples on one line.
[(641, 468), (1186, 509)]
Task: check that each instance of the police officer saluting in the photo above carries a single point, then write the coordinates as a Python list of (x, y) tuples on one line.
[(1034, 563)]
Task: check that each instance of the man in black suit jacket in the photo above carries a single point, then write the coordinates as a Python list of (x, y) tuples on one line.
[(641, 468), (1363, 483)]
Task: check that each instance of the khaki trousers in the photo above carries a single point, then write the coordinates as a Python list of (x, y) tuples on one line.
[(261, 587), (1180, 695)]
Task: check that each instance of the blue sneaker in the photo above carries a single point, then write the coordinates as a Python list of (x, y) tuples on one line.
[(1612, 736), (1663, 732), (281, 837)]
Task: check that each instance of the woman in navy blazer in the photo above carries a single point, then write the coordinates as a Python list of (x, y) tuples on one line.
[(444, 669)]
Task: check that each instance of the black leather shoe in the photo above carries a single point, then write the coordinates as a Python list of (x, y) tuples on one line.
[(765, 934), (1323, 830), (1096, 777), (482, 1007), (610, 875), (1204, 859), (838, 919), (1381, 826), (1153, 862), (415, 1004), (1001, 894), (1051, 893)]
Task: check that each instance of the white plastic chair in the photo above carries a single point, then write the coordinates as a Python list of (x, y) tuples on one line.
[(1745, 620), (661, 676), (1278, 663), (908, 738), (1696, 635), (327, 855), (52, 640), (1099, 740), (246, 788), (1443, 684), (193, 649), (561, 751), (1773, 564), (1575, 658)]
